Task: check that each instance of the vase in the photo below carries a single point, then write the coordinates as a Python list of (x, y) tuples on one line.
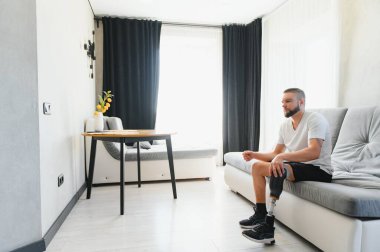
[(98, 122)]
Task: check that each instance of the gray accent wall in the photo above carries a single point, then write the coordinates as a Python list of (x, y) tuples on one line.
[(42, 59), (20, 196)]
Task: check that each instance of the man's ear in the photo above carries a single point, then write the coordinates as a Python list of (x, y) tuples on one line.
[(302, 101)]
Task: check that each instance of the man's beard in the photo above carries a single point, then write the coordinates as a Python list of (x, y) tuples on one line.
[(292, 112)]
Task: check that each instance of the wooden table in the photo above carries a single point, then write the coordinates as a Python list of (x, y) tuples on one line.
[(129, 136)]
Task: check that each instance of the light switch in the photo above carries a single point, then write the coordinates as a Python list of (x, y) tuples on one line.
[(47, 108)]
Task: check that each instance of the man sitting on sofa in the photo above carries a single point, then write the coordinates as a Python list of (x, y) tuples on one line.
[(302, 153)]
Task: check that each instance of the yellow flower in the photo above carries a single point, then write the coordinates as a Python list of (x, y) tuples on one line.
[(95, 113), (104, 102)]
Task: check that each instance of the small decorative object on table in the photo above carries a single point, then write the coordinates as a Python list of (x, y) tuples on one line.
[(103, 105)]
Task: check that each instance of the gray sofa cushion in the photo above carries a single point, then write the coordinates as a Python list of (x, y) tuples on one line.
[(351, 201), (356, 157), (335, 118)]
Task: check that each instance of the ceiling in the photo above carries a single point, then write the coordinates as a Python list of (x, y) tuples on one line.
[(206, 12)]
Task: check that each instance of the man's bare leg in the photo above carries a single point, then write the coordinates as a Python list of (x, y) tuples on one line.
[(259, 171)]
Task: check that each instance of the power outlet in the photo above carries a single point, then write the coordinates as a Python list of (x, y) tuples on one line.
[(47, 108), (61, 179)]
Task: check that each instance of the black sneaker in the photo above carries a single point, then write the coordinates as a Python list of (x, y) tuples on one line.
[(262, 233), (253, 221)]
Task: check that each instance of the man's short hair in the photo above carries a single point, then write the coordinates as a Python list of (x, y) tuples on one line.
[(300, 93)]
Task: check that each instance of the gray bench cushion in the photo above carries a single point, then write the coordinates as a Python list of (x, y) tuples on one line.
[(351, 201), (156, 152)]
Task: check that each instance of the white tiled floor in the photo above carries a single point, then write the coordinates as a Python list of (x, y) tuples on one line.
[(203, 218)]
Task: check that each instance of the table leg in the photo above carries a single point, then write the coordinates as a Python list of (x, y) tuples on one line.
[(91, 167), (171, 165), (138, 165), (122, 162)]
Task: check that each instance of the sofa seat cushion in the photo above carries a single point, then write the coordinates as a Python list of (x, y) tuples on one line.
[(236, 160), (347, 200), (356, 156)]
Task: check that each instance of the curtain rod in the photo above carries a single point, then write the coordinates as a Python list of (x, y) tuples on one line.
[(192, 24), (97, 19), (92, 10)]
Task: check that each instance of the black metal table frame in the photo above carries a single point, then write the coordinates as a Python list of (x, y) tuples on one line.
[(122, 141)]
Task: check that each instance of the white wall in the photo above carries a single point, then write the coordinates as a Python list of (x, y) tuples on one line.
[(20, 203), (360, 54), (300, 49), (329, 48), (99, 57), (63, 26)]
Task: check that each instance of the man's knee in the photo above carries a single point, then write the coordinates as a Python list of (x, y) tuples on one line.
[(253, 170), (259, 168)]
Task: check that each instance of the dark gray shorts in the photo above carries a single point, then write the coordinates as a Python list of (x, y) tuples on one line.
[(308, 172)]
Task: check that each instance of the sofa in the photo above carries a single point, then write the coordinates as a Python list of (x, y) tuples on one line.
[(190, 162), (340, 216)]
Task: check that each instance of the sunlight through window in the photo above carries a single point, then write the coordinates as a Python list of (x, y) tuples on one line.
[(190, 89)]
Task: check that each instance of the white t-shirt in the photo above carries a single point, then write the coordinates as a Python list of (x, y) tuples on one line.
[(312, 125)]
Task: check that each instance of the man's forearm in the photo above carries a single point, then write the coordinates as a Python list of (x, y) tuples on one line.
[(267, 157), (303, 155)]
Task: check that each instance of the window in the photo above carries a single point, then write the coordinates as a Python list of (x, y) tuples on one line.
[(190, 90)]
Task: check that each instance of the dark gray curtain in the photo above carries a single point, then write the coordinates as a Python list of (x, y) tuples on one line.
[(131, 69), (241, 86)]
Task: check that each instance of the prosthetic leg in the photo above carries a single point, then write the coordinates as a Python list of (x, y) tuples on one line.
[(275, 185), (264, 232)]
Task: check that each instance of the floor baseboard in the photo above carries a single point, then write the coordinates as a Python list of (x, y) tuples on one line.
[(42, 244), (37, 246)]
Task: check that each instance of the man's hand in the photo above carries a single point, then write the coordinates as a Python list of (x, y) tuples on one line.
[(277, 166), (248, 155)]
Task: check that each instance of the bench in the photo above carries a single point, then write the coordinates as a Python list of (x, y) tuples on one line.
[(189, 162)]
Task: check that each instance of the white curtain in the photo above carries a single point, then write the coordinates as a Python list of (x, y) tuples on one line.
[(190, 89), (300, 49)]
